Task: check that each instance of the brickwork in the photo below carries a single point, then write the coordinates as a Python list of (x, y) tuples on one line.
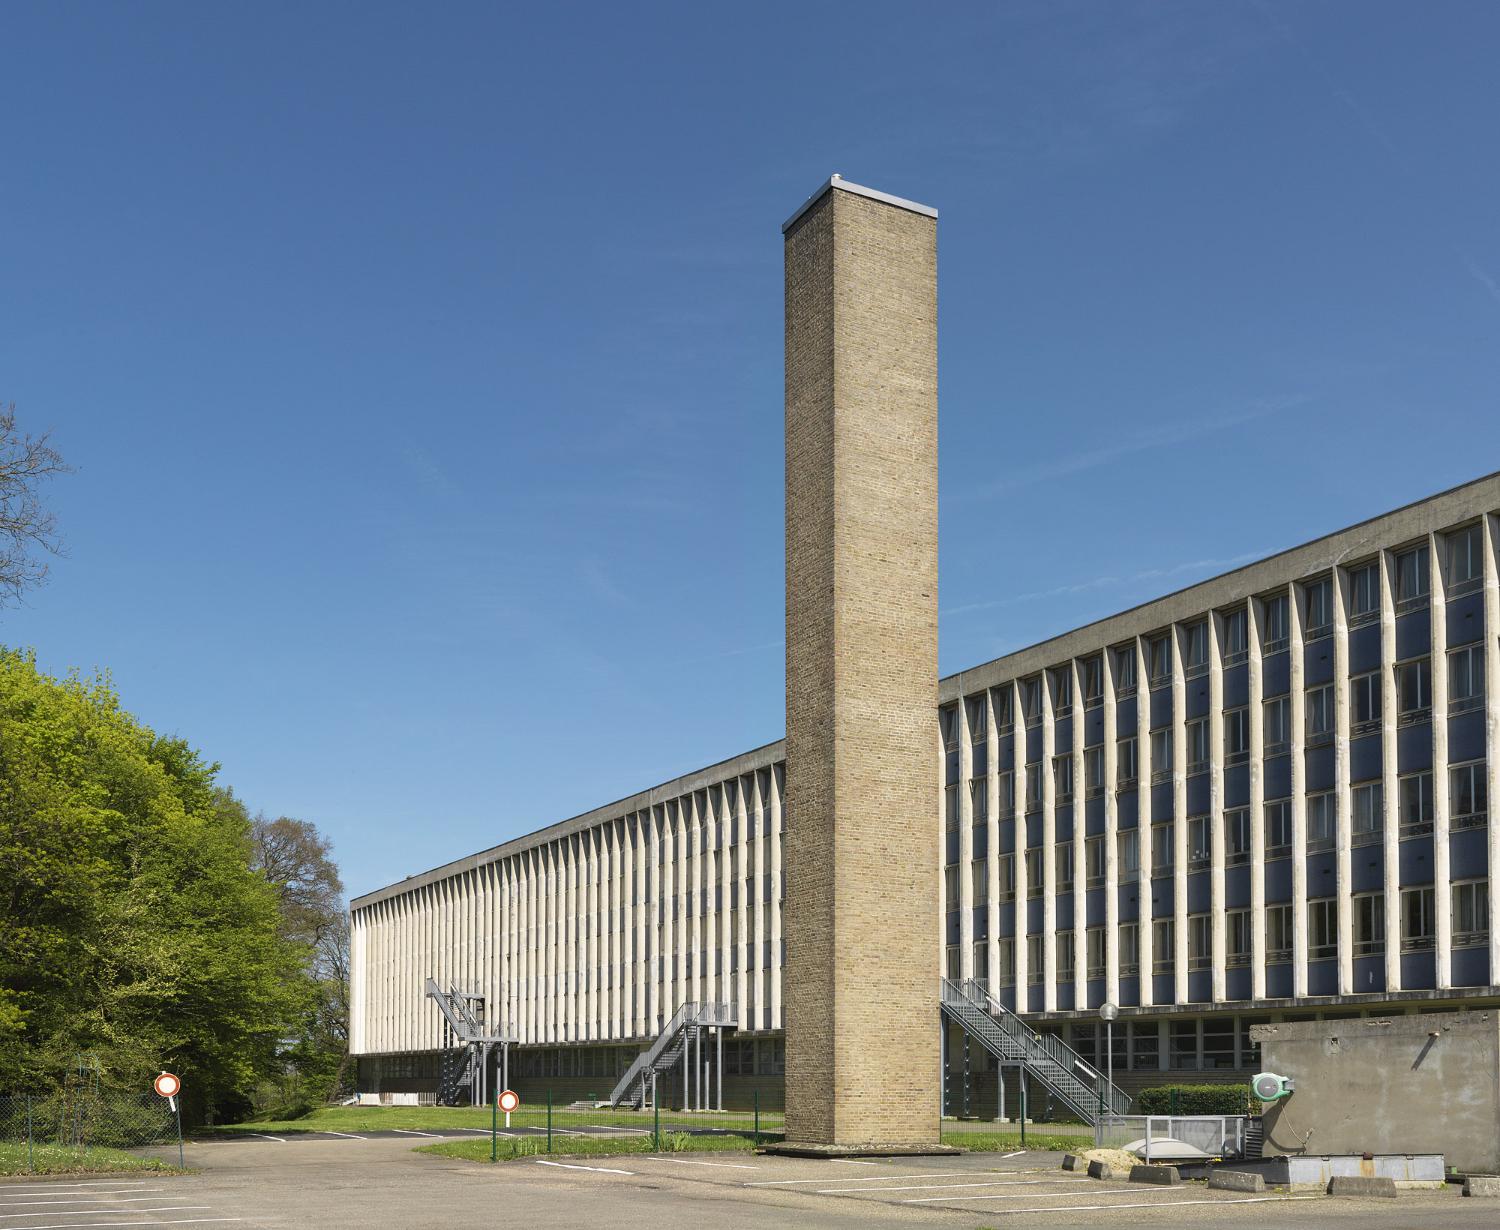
[(861, 847)]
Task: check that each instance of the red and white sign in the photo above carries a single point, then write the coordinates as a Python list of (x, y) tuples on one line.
[(507, 1101), (166, 1085)]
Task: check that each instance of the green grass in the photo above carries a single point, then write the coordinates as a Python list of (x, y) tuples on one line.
[(514, 1147), (1009, 1142), (54, 1159), (436, 1118)]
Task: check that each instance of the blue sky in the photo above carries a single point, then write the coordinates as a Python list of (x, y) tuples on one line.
[(421, 365)]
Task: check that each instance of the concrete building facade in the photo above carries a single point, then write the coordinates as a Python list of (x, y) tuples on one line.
[(1263, 798)]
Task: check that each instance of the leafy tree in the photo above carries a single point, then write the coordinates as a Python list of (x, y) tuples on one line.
[(132, 926), (26, 526)]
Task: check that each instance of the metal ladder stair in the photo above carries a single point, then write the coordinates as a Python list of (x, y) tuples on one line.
[(1049, 1060), (467, 1043), (665, 1053)]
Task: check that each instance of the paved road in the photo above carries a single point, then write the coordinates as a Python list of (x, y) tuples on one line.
[(347, 1182)]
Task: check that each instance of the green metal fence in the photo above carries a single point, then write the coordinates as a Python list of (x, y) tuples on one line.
[(76, 1120)]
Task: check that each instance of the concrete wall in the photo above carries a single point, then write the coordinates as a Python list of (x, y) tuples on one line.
[(1415, 1084)]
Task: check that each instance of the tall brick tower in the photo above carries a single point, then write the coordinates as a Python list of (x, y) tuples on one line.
[(861, 638)]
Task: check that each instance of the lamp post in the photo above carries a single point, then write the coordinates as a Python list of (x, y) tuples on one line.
[(1109, 1011)]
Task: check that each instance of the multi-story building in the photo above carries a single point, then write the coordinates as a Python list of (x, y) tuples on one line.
[(1263, 797)]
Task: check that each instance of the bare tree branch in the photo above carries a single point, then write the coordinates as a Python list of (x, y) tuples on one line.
[(26, 525)]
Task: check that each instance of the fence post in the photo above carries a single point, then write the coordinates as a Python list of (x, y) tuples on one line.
[(1022, 1073), (757, 1118), (30, 1163), (494, 1128), (655, 1118), (549, 1121), (177, 1108)]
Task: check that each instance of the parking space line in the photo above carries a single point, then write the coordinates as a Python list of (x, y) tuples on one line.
[(1017, 1153), (850, 1161), (614, 1127), (874, 1178), (345, 1135), (1149, 1204), (917, 1187), (91, 1199), (682, 1161), (409, 1132), (596, 1169), (83, 1195), (1081, 1195), (263, 1136), (166, 1208), (116, 1184), (191, 1221)]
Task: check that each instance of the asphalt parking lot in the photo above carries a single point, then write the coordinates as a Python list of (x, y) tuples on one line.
[(373, 1180)]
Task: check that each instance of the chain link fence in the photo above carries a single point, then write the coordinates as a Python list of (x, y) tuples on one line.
[(77, 1120)]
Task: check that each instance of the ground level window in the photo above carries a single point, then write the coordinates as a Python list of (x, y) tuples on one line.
[(1218, 1042), (1183, 1044), (1145, 1046)]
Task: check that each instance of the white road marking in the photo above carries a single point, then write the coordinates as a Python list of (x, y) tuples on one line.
[(345, 1135), (83, 1195), (1017, 1153), (166, 1208), (117, 1184), (682, 1161), (263, 1136), (409, 1132), (615, 1127), (874, 1178), (92, 1199), (849, 1161), (596, 1169), (1095, 1195), (917, 1187), (191, 1221), (1150, 1204)]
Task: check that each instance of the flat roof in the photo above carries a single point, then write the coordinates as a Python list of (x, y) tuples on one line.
[(843, 185), (1420, 516)]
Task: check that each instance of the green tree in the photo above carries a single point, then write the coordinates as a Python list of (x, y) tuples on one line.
[(133, 927)]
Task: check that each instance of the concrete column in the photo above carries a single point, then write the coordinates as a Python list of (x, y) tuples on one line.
[(965, 843), (1344, 836), (1049, 848), (1111, 834), (861, 465), (1079, 938), (992, 844), (1217, 946), (1019, 787), (1257, 701), (1297, 707), (777, 922), (1442, 880), (1492, 726), (761, 927), (1145, 940), (1390, 823), (1179, 822)]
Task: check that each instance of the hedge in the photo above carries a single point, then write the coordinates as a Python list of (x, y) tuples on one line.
[(1194, 1100)]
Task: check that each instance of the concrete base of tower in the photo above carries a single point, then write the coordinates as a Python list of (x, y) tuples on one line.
[(792, 1148)]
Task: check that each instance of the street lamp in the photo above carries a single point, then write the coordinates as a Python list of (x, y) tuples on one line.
[(1109, 1011)]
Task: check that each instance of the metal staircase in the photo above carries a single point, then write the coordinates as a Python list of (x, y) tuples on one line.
[(467, 1045), (1010, 1040), (670, 1049)]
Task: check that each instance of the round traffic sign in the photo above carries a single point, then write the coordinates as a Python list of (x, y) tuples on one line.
[(507, 1101), (166, 1085)]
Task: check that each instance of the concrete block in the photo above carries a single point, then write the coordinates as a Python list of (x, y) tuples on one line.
[(1155, 1174), (1361, 1185), (1482, 1185), (1070, 1161), (1237, 1181), (1100, 1170)]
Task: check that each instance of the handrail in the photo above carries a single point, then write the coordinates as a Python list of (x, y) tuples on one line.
[(692, 1013), (1040, 1049)]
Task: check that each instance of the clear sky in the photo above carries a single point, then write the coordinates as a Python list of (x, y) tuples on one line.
[(421, 364)]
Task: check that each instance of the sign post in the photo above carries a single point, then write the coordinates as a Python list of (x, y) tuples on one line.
[(507, 1101), (168, 1086)]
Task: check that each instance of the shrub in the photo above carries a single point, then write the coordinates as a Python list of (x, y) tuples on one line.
[(675, 1142), (1194, 1100)]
